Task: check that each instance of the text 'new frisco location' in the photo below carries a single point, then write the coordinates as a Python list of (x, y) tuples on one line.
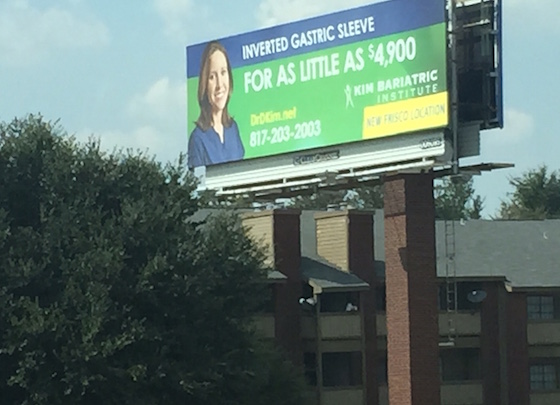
[(406, 115)]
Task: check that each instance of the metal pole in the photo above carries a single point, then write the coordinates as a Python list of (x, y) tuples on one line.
[(452, 37)]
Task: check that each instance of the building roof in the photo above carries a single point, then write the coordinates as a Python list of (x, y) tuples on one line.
[(275, 275), (323, 275), (526, 253)]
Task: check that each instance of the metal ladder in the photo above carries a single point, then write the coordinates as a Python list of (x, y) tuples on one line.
[(450, 280)]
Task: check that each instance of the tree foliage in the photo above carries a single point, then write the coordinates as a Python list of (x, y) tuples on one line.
[(455, 199), (210, 199), (111, 293), (364, 197), (536, 195)]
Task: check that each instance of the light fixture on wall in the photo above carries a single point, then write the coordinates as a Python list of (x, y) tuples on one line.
[(308, 303), (476, 296)]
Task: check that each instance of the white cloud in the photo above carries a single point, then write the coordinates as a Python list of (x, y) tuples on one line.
[(159, 115), (157, 123), (164, 100), (272, 12), (541, 5), (148, 139), (29, 33), (539, 15), (517, 13), (518, 126), (175, 15)]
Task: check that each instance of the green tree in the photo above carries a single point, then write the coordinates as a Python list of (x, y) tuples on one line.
[(210, 199), (364, 197), (369, 197), (319, 200), (536, 195), (111, 293), (455, 198)]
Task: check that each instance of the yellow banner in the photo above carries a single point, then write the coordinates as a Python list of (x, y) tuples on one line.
[(406, 116)]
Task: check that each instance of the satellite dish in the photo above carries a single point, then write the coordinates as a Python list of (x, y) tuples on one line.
[(476, 296)]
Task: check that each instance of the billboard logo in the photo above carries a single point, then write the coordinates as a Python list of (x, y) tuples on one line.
[(364, 89), (316, 158), (348, 92), (431, 143)]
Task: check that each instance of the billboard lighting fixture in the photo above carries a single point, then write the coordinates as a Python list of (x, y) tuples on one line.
[(405, 167), (340, 178)]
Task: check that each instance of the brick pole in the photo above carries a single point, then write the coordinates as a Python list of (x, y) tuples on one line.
[(412, 313)]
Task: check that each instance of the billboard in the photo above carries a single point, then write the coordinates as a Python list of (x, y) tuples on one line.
[(348, 77)]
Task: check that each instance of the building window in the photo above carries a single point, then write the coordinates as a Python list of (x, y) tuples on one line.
[(543, 307), (340, 302), (544, 377), (342, 369), (382, 375), (460, 364), (381, 298), (310, 368)]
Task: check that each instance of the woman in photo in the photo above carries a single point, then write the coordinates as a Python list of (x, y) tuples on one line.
[(215, 139)]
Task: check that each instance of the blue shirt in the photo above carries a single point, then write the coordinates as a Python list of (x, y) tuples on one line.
[(205, 147)]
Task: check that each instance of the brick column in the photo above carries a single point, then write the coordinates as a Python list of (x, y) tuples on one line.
[(412, 317), (517, 350), (279, 231), (345, 238), (287, 258), (490, 343), (360, 260)]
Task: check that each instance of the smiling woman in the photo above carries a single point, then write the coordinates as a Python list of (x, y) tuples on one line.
[(215, 139)]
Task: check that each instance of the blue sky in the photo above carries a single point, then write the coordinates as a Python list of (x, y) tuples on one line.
[(116, 69)]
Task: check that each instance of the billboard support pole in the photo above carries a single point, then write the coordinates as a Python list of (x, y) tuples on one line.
[(454, 91)]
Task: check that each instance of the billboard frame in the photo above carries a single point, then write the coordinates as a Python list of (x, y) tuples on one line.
[(417, 151), (351, 162)]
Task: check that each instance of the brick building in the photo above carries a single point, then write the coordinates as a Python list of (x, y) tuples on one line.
[(499, 334)]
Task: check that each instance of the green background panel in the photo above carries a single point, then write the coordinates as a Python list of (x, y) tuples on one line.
[(324, 99)]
